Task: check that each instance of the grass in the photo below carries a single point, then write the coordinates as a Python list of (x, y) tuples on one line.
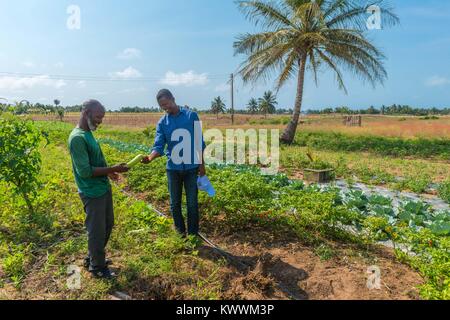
[(397, 173), (406, 127), (270, 121), (325, 252), (444, 190), (395, 147)]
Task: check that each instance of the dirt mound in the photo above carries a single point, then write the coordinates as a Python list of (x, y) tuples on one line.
[(156, 288), (291, 271)]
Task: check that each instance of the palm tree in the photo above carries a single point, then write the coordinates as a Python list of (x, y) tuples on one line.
[(217, 106), (21, 107), (252, 106), (310, 33), (267, 103), (3, 106), (59, 111)]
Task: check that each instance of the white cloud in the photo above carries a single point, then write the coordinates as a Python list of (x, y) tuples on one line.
[(81, 84), (187, 79), (437, 81), (222, 88), (129, 53), (128, 73), (133, 90), (28, 64), (59, 65), (20, 83)]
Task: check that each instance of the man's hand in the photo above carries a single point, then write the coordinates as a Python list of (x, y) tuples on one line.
[(121, 168), (104, 172), (114, 176), (146, 160), (202, 170)]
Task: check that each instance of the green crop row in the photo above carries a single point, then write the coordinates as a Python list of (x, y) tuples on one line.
[(397, 147), (247, 200)]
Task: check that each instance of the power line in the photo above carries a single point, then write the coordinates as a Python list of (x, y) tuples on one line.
[(102, 78)]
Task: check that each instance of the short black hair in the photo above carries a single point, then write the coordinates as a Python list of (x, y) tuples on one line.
[(92, 104), (164, 93)]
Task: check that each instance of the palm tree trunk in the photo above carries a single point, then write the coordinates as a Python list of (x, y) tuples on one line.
[(289, 133)]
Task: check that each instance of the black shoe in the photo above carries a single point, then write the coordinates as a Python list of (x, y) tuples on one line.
[(87, 262), (104, 273)]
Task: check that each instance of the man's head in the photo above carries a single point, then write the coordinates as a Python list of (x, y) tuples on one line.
[(93, 113), (167, 102)]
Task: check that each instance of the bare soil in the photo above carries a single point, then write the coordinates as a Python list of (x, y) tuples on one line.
[(288, 270)]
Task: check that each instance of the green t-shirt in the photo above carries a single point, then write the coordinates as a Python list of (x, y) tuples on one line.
[(86, 155)]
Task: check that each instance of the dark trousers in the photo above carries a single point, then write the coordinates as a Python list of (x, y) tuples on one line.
[(188, 179), (99, 224)]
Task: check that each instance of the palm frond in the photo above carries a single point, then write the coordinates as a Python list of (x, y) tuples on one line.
[(290, 67), (354, 14), (268, 14), (334, 67)]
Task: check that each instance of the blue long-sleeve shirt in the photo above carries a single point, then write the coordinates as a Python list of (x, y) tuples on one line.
[(167, 130)]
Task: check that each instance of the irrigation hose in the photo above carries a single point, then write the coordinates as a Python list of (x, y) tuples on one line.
[(215, 247)]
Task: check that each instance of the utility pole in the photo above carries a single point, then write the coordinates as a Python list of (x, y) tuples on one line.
[(232, 98)]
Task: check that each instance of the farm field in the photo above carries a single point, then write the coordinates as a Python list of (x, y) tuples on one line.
[(287, 239), (386, 126), (407, 155)]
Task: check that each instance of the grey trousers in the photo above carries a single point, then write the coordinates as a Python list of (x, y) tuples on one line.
[(99, 224)]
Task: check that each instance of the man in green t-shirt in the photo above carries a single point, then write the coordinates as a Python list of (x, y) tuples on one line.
[(92, 178)]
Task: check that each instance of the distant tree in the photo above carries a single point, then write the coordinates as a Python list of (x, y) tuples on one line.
[(21, 107), (138, 110), (343, 110), (76, 108), (372, 110), (3, 107), (252, 106), (267, 103), (217, 106), (59, 111), (394, 109)]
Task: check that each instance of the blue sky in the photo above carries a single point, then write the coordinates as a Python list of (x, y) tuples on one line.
[(186, 46)]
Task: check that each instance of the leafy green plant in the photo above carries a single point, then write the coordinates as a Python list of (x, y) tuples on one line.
[(316, 164), (15, 262), (444, 191), (20, 161), (324, 252)]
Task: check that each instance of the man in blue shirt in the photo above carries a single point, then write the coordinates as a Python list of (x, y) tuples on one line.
[(179, 130)]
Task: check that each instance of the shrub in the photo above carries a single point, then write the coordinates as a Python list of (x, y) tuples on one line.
[(20, 161)]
